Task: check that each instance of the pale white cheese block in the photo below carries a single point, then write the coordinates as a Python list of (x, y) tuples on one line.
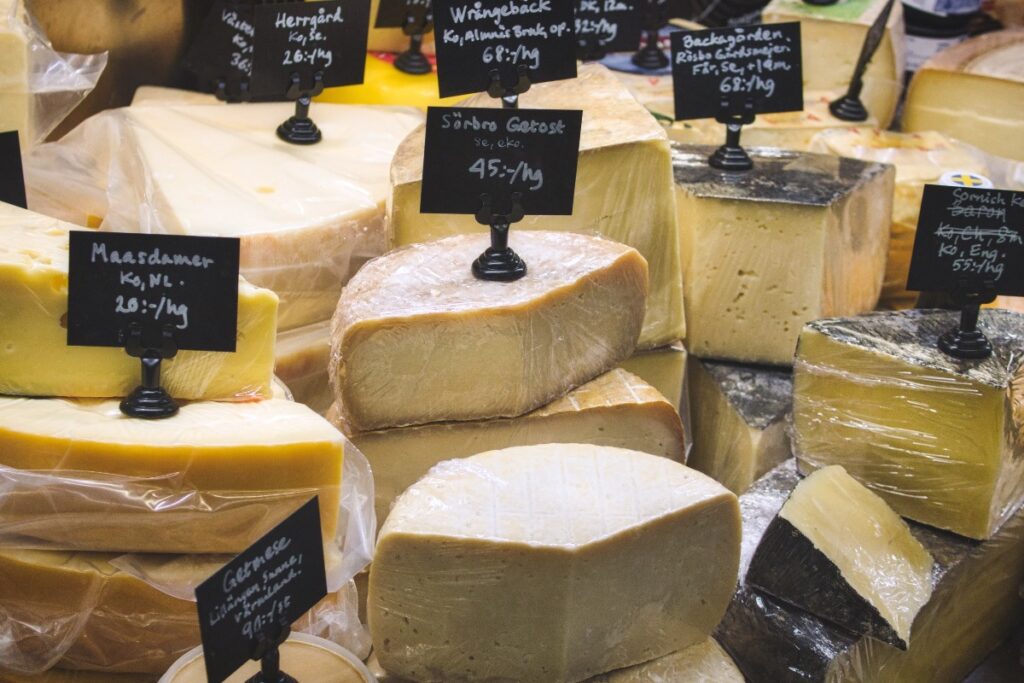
[(550, 563)]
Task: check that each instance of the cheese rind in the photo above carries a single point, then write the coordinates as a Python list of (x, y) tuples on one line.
[(616, 409), (301, 359), (550, 563), (839, 552), (623, 189), (798, 237), (35, 359), (214, 478), (417, 320), (739, 420), (941, 440)]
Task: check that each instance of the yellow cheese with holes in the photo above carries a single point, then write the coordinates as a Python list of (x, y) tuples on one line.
[(35, 359), (301, 359), (550, 563), (214, 478), (623, 189)]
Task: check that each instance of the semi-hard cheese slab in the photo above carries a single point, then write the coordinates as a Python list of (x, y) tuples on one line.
[(550, 563), (832, 37), (623, 188), (919, 158), (798, 237), (77, 474), (663, 368), (739, 420), (35, 359), (616, 409), (839, 552), (417, 338), (975, 603), (301, 357), (973, 92), (940, 439)]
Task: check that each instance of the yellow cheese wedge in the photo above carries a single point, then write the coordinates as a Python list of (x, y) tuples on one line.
[(15, 99), (831, 38), (35, 359), (919, 158), (941, 440), (417, 338), (301, 359), (384, 84), (974, 92), (213, 478), (550, 563), (623, 188), (616, 409), (798, 237)]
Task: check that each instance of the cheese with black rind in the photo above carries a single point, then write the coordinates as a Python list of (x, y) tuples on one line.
[(798, 237), (940, 439)]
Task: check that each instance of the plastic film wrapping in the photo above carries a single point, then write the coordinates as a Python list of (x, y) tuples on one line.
[(646, 547), (38, 85), (78, 475), (623, 189), (307, 216), (974, 605), (941, 440), (417, 320), (301, 359)]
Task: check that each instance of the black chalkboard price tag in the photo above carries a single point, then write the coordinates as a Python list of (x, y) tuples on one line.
[(12, 176), (251, 601), (472, 152), (473, 38), (319, 42), (757, 64), (609, 25), (393, 13), (221, 55)]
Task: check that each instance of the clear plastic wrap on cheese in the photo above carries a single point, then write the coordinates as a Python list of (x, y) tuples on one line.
[(35, 359), (550, 563), (301, 359), (623, 188), (79, 475), (417, 338), (307, 215), (940, 439), (975, 603)]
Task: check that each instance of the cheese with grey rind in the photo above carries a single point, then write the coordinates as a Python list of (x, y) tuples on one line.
[(417, 338), (550, 563)]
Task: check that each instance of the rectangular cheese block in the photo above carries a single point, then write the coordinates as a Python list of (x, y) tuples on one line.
[(15, 97), (831, 38), (550, 563), (975, 602), (740, 428), (616, 409), (938, 438), (417, 338), (35, 359), (623, 188), (838, 551), (919, 159), (301, 357), (974, 92), (307, 215), (799, 236), (100, 617), (79, 475)]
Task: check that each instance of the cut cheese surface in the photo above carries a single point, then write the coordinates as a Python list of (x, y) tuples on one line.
[(704, 662), (623, 188), (301, 359), (939, 439), (214, 478), (307, 215), (35, 359), (831, 39), (920, 159), (581, 560), (663, 368), (418, 320), (798, 237), (838, 551), (739, 420), (616, 409), (974, 92), (15, 98), (975, 602)]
